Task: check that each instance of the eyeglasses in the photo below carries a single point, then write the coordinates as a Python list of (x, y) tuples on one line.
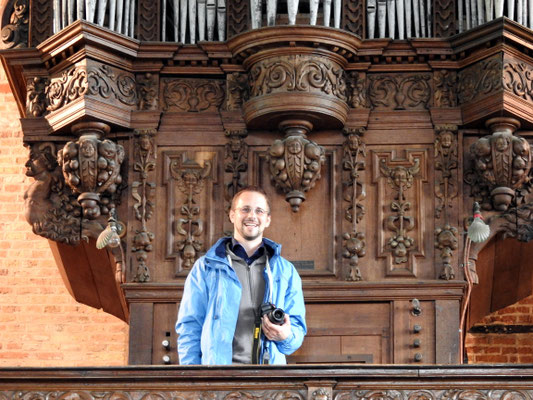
[(247, 210)]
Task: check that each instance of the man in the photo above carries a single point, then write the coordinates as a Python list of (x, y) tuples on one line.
[(221, 305)]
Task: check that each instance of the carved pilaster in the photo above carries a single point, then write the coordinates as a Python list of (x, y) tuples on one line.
[(445, 21), (148, 91), (192, 95), (446, 190), (41, 21), (189, 181), (353, 17), (15, 34), (237, 91), (50, 208), (143, 192), (148, 20), (401, 240), (357, 94), (445, 88), (235, 163), (237, 16), (353, 162)]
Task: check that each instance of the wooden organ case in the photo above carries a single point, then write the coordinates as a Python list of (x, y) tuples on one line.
[(372, 153)]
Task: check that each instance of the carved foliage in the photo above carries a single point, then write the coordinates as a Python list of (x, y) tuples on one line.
[(444, 14), (15, 34), (434, 394), (70, 86), (35, 98), (143, 192), (400, 92), (480, 79), (400, 178), (445, 86), (518, 79), (192, 95), (50, 207), (190, 178), (110, 83), (237, 91), (297, 73), (353, 162)]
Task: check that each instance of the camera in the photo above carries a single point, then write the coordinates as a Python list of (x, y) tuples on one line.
[(275, 315)]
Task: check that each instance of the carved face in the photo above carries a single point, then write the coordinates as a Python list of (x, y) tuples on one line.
[(144, 143), (87, 149), (446, 139), (294, 146), (399, 176), (248, 227), (501, 143)]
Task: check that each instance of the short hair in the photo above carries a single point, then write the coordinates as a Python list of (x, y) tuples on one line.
[(250, 188)]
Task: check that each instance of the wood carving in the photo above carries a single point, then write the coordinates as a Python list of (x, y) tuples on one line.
[(400, 178), (91, 168), (445, 85), (190, 178), (235, 163), (238, 91), (432, 394), (517, 79), (357, 96), (501, 164), (15, 34), (353, 17), (111, 83), (446, 190), (192, 95), (480, 79), (399, 92), (35, 97), (237, 17), (297, 73), (148, 91), (50, 208), (295, 162), (143, 192), (353, 162), (70, 86), (42, 21), (148, 17), (445, 20)]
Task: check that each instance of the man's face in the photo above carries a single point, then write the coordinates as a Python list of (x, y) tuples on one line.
[(250, 225)]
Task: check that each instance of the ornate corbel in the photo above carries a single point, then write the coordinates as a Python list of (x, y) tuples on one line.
[(501, 165), (353, 162), (91, 168), (295, 162)]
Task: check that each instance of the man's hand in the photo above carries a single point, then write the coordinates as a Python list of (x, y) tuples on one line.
[(276, 333)]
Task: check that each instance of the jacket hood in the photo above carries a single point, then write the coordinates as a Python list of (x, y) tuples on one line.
[(218, 250)]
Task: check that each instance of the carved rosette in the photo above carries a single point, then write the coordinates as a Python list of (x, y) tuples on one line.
[(295, 162), (501, 164), (143, 192), (91, 166), (353, 162)]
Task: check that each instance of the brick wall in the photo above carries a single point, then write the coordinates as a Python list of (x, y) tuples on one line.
[(41, 324), (509, 338)]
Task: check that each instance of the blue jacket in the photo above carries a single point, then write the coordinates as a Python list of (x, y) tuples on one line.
[(209, 308)]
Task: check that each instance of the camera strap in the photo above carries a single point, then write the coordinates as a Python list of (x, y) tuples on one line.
[(256, 345)]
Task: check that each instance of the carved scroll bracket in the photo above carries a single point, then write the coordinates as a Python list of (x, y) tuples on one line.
[(500, 165), (295, 162), (15, 34)]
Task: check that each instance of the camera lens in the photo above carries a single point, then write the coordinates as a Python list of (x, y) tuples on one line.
[(277, 316)]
